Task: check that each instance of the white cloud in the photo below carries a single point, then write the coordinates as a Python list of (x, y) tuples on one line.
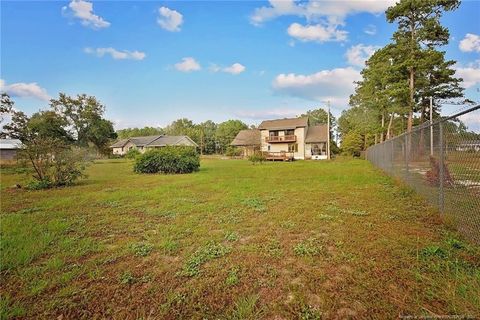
[(472, 120), (169, 19), (25, 90), (470, 74), (334, 11), (83, 10), (235, 68), (188, 64), (357, 55), (323, 16), (371, 30), (335, 85), (116, 54), (470, 43), (316, 33)]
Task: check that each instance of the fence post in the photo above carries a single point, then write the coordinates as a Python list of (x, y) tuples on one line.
[(441, 196), (392, 167), (405, 149)]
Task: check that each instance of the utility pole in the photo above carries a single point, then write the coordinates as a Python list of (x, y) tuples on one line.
[(328, 129), (431, 126)]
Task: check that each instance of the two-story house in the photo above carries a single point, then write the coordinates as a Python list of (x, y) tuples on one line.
[(287, 139)]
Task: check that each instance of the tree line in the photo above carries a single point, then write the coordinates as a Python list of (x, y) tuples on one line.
[(400, 78), (215, 138)]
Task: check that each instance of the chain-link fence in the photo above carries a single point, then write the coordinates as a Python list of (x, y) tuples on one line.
[(441, 161)]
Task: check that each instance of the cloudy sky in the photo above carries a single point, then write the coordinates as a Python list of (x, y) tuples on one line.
[(153, 62)]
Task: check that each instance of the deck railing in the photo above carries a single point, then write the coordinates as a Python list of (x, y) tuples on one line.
[(286, 138)]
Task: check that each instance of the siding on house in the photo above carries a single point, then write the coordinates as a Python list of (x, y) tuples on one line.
[(306, 136)]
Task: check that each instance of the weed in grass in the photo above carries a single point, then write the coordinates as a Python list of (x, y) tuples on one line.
[(142, 249), (10, 309), (357, 213), (231, 236), (246, 309), (256, 204), (287, 224), (127, 278), (211, 251), (326, 217), (309, 313), (232, 277), (454, 243), (169, 246), (309, 247), (333, 209), (169, 214), (38, 286), (272, 248), (29, 210), (109, 204), (232, 217), (433, 251)]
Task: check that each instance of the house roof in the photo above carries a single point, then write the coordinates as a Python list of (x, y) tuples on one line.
[(119, 144), (10, 144), (318, 133), (144, 141), (247, 138), (152, 141), (169, 140), (287, 123)]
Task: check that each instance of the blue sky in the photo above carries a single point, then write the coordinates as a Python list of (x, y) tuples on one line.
[(153, 62)]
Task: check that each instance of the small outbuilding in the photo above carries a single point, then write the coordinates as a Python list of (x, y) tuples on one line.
[(248, 141), (9, 149)]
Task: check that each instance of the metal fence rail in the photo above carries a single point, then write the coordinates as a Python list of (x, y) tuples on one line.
[(441, 161)]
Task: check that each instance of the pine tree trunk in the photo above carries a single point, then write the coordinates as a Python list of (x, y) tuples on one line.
[(389, 129), (383, 126)]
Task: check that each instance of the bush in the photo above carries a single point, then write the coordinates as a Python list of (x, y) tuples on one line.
[(53, 165), (168, 160), (257, 157), (232, 151), (132, 153)]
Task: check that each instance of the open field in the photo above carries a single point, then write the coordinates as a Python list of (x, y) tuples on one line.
[(306, 240)]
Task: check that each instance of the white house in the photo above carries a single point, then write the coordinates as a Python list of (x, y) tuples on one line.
[(290, 138)]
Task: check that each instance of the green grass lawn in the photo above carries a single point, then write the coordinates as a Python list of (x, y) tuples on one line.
[(306, 240)]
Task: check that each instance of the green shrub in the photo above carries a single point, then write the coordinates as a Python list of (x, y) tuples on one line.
[(132, 153), (39, 184), (168, 160), (232, 151), (257, 157)]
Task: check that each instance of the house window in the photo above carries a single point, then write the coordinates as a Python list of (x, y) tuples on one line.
[(273, 133), (289, 132), (318, 149), (269, 148), (293, 147)]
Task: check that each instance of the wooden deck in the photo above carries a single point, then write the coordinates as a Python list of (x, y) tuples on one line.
[(279, 156)]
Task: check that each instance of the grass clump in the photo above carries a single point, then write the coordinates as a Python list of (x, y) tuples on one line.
[(309, 313), (256, 204), (246, 309), (127, 278), (211, 251), (309, 247), (232, 277), (142, 249), (231, 236)]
